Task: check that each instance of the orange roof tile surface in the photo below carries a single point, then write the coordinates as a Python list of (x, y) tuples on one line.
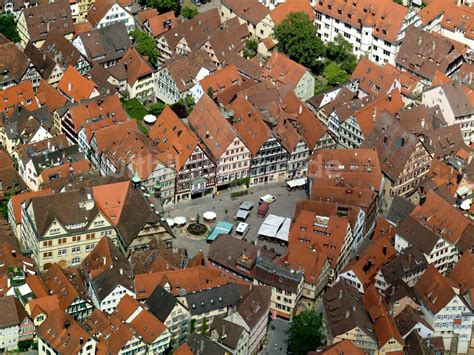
[(20, 94), (281, 69), (161, 23), (282, 10), (49, 96), (75, 86), (385, 16), (110, 199)]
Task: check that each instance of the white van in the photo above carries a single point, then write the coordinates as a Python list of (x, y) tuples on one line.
[(242, 229), (267, 198)]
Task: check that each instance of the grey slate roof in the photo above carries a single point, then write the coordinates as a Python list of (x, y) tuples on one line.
[(161, 303), (344, 310), (399, 210), (200, 345), (108, 280), (212, 299)]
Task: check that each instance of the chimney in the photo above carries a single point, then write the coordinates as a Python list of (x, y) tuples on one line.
[(374, 113), (81, 340), (13, 252)]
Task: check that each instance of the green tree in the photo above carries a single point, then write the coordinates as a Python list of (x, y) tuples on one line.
[(304, 333), (156, 108), (251, 47), (164, 5), (334, 74), (188, 12), (145, 45), (8, 27), (297, 37), (340, 51)]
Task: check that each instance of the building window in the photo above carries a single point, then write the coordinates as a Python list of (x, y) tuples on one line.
[(76, 250), (62, 252), (75, 261)]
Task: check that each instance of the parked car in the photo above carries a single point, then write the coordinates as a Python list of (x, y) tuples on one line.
[(246, 205), (242, 229), (267, 198), (242, 215)]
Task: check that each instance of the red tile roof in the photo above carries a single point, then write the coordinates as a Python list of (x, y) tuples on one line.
[(21, 93), (135, 66), (75, 86), (156, 24), (434, 290), (282, 10), (49, 96), (281, 69)]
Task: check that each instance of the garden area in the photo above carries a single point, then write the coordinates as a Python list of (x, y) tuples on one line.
[(331, 63)]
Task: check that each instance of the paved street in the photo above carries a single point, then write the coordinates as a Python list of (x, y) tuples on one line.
[(226, 208), (276, 338)]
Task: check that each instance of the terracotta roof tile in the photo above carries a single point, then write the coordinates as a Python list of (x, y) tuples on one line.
[(135, 65), (158, 24), (281, 69), (21, 93), (221, 80), (174, 137), (282, 10), (75, 86), (212, 128), (144, 15), (49, 96), (17, 200), (249, 10), (249, 124), (385, 16), (434, 290)]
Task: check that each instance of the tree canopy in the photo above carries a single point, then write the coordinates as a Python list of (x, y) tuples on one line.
[(8, 27), (297, 37), (188, 12), (145, 44), (340, 51), (304, 333), (164, 5), (334, 74), (251, 47)]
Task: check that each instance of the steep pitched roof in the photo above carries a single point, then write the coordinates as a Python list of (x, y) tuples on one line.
[(249, 10), (21, 93), (14, 62), (159, 24), (433, 290), (282, 10), (75, 86), (384, 16), (281, 69), (44, 18), (210, 125), (63, 333), (135, 66), (49, 96), (249, 124), (174, 136)]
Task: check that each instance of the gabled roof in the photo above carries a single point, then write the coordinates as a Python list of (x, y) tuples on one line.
[(67, 284), (221, 80), (344, 347), (63, 333), (211, 126), (249, 124), (143, 322), (443, 219), (281, 69), (43, 64), (195, 32), (21, 93), (384, 16), (135, 66), (394, 144), (282, 10), (252, 11), (112, 334), (14, 62), (49, 96), (181, 280), (211, 299), (12, 312), (161, 303), (433, 290), (62, 51), (344, 310), (424, 53), (44, 18), (159, 24), (407, 319), (99, 9), (108, 43), (75, 86), (174, 136)]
